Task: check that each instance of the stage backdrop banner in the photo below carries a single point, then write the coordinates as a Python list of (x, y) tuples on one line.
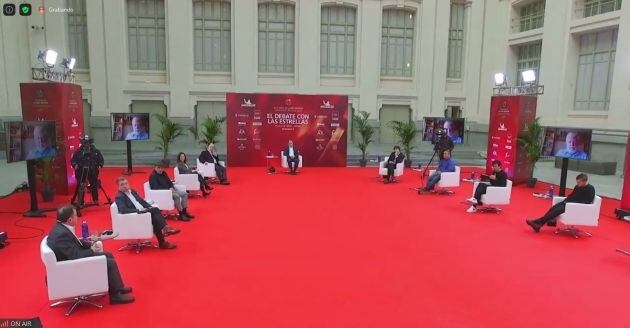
[(262, 123), (509, 117), (625, 195), (62, 103)]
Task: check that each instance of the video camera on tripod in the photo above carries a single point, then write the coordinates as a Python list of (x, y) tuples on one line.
[(87, 161)]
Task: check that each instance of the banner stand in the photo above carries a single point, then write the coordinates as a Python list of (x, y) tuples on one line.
[(563, 177), (34, 212), (624, 210)]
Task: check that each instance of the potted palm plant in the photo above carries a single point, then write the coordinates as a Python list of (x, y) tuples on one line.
[(366, 132), (169, 132), (46, 174), (530, 143), (210, 129), (406, 133)]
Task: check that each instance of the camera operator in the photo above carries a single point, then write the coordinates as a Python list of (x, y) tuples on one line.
[(87, 161), (442, 143)]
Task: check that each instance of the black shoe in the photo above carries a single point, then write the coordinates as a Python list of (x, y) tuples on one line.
[(118, 298), (125, 290), (167, 245), (552, 223), (533, 224), (183, 217), (225, 182), (190, 216), (168, 231)]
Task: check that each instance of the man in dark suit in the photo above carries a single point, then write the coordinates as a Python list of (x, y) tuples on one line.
[(67, 246), (211, 156), (128, 201), (498, 179), (395, 157), (293, 157), (159, 180)]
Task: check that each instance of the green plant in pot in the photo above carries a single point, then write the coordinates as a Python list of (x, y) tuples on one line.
[(211, 128), (46, 173), (406, 133), (167, 134), (530, 142), (366, 132)]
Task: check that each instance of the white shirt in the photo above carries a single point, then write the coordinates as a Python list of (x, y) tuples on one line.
[(291, 153), (134, 201)]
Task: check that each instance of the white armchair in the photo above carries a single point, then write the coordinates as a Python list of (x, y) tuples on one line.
[(207, 170), (576, 214), (134, 226), (285, 164), (382, 169), (448, 179), (494, 196), (190, 180), (74, 282), (162, 199)]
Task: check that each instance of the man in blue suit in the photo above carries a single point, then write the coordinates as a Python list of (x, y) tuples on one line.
[(293, 157)]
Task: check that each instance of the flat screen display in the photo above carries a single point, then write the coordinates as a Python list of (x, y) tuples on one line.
[(127, 126), (567, 143), (30, 140), (453, 127)]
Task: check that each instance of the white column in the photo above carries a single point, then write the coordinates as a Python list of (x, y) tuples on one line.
[(15, 65), (425, 53), (370, 49), (440, 46), (98, 61), (245, 31), (307, 55), (620, 91), (180, 57), (115, 54)]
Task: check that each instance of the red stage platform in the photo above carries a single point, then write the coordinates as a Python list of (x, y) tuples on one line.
[(334, 247)]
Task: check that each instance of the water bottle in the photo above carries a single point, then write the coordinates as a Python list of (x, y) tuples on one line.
[(419, 165), (85, 233), (550, 193), (472, 175)]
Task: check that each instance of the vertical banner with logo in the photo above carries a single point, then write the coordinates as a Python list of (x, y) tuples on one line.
[(509, 117), (625, 194), (62, 103), (261, 123)]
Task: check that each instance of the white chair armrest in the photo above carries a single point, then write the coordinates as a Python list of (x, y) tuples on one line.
[(432, 171), (557, 199)]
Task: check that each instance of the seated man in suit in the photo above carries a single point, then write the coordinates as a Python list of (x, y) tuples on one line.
[(395, 158), (446, 164), (211, 156), (498, 179), (583, 193), (128, 201), (159, 180), (64, 242), (293, 157)]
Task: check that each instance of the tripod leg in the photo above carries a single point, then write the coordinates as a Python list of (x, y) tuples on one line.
[(428, 164), (100, 185)]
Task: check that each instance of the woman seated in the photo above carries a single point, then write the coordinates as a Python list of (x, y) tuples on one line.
[(183, 168)]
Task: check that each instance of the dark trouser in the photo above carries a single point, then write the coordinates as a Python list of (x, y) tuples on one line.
[(553, 213), (221, 172), (293, 163), (158, 222), (391, 167), (433, 180), (113, 275), (480, 191), (92, 179), (202, 182)]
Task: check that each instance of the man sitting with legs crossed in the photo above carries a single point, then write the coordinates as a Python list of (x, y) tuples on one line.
[(446, 164), (498, 179), (583, 193)]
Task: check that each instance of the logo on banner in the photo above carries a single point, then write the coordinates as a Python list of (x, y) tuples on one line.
[(320, 132), (508, 147), (504, 108), (319, 147), (241, 147), (256, 131), (326, 105), (73, 98), (241, 131), (502, 127), (288, 102), (40, 98), (74, 123), (495, 145), (247, 103)]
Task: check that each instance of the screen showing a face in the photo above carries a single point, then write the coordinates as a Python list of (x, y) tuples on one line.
[(30, 140), (567, 143), (130, 127), (452, 127)]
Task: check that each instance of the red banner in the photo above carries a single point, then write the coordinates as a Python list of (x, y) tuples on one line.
[(262, 123), (625, 195), (509, 117), (62, 103)]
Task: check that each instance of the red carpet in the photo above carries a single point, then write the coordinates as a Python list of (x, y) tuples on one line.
[(334, 247)]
